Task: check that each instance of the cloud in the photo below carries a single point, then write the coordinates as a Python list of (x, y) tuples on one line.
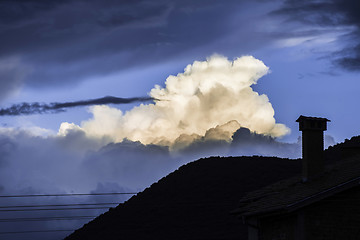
[(209, 109), (12, 74), (249, 143), (332, 15), (70, 41), (73, 163), (77, 163), (212, 98), (130, 164), (64, 163), (40, 108), (244, 143)]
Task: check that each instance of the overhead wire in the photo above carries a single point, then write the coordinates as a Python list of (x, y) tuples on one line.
[(53, 207), (57, 205), (67, 194), (39, 231), (50, 209), (43, 219)]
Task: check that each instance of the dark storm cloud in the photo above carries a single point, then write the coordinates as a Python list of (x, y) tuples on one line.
[(7, 146), (40, 108), (71, 164), (244, 143), (12, 74), (131, 164), (35, 165), (32, 26), (330, 13), (67, 41)]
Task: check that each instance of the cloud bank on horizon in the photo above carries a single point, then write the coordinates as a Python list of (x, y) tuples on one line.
[(210, 99)]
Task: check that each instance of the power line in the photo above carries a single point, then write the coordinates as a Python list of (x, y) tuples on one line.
[(57, 205), (89, 208), (40, 231), (49, 209), (54, 207), (66, 195), (43, 219)]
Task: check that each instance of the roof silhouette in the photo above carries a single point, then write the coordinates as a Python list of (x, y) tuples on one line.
[(290, 194)]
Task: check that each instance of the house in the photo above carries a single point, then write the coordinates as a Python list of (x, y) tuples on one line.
[(323, 203)]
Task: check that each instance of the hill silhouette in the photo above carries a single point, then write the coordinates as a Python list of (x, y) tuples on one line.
[(341, 150), (195, 201)]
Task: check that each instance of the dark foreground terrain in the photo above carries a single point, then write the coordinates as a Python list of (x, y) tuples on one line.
[(193, 202)]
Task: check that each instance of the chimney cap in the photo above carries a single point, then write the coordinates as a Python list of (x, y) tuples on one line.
[(304, 118), (312, 123)]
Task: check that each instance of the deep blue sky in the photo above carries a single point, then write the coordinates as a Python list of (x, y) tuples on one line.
[(61, 51)]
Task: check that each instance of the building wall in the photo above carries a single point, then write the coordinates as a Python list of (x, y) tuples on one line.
[(337, 217), (334, 218), (278, 228)]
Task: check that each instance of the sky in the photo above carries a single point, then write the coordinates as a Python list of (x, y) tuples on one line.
[(194, 79)]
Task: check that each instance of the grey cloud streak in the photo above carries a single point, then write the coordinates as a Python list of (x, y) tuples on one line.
[(40, 108), (330, 14)]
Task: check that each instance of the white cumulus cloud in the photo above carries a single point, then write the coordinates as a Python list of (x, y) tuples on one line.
[(207, 95)]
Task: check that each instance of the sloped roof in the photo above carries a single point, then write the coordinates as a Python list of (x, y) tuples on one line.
[(291, 194)]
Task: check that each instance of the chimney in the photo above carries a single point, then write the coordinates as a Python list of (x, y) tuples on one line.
[(312, 145)]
